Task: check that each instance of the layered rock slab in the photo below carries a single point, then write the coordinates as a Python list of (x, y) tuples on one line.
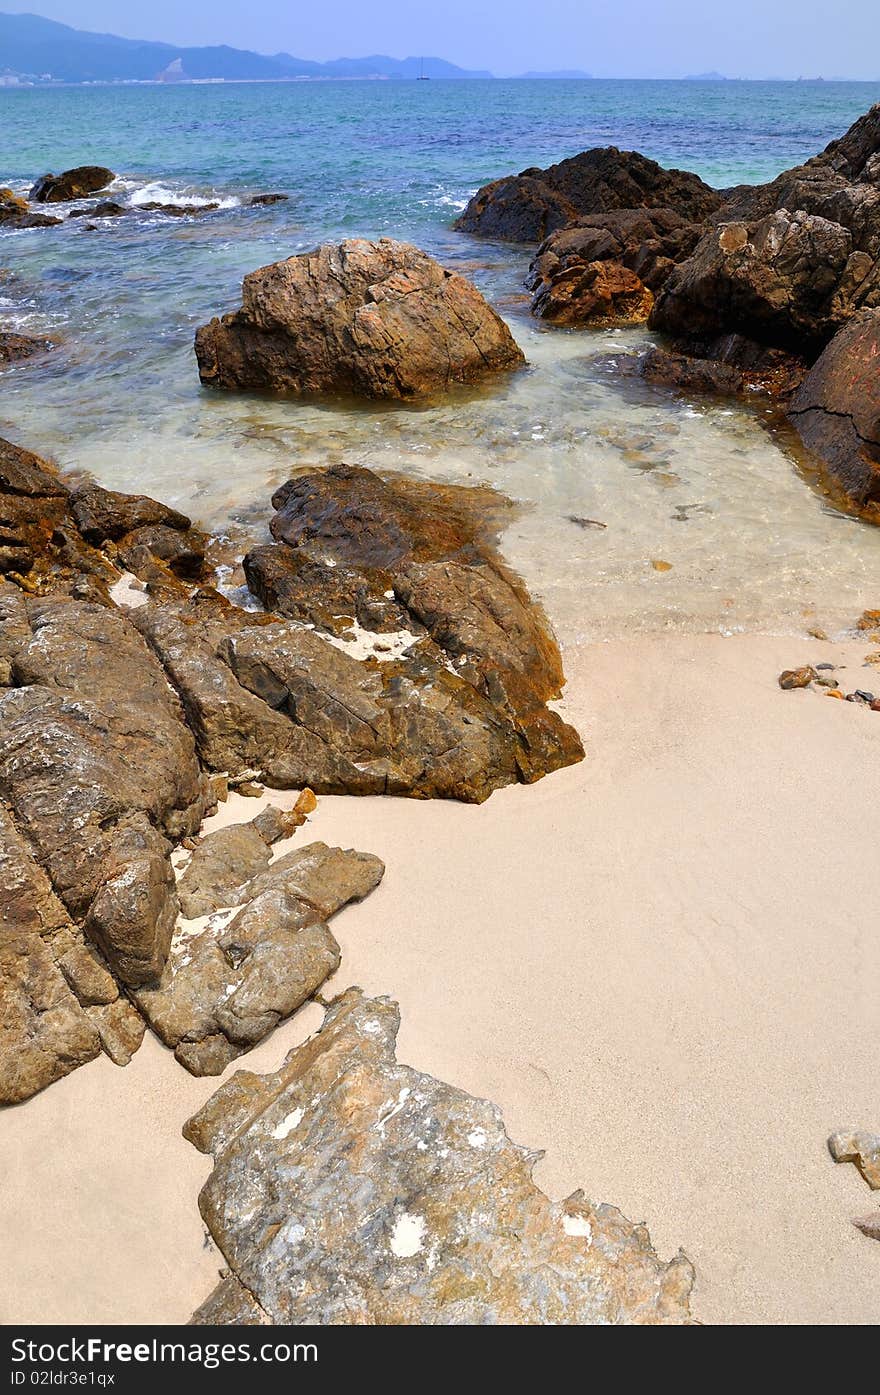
[(372, 319), (229, 982), (349, 1189)]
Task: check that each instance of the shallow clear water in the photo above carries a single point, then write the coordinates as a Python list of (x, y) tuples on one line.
[(702, 487)]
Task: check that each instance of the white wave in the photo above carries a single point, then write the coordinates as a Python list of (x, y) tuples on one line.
[(156, 192)]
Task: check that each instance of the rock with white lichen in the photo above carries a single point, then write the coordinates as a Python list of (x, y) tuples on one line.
[(350, 1189)]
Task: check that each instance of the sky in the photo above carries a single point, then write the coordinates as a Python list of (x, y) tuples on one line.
[(608, 38)]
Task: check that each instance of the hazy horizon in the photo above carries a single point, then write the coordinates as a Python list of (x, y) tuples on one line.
[(629, 39)]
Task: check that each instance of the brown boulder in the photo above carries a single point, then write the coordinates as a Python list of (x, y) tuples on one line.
[(16, 347), (374, 319), (529, 206), (15, 213), (599, 294), (77, 183), (837, 408), (103, 513), (648, 242)]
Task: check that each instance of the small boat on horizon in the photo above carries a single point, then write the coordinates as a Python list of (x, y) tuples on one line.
[(423, 76)]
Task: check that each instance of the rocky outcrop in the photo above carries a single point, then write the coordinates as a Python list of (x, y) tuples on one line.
[(647, 242), (77, 183), (528, 207), (229, 983), (837, 408), (372, 319), (350, 1189)]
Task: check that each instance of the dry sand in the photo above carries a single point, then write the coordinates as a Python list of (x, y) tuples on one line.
[(663, 965)]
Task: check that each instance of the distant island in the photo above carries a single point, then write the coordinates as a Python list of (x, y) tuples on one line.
[(35, 51)]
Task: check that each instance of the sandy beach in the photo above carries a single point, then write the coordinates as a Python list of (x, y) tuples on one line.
[(661, 964)]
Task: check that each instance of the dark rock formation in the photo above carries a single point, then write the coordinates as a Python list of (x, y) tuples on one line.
[(530, 206), (179, 210), (374, 319), (837, 408), (14, 348), (77, 183), (350, 1189), (260, 200)]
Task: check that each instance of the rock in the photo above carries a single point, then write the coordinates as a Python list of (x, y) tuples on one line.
[(107, 209), (869, 1225), (859, 1147), (646, 242), (221, 864), (230, 984), (590, 293), (780, 280), (834, 692), (837, 409), (11, 205), (77, 183), (373, 319), (44, 1031), (103, 513), (687, 374), (259, 200), (178, 210), (530, 206), (826, 681), (100, 772), (797, 677), (120, 1027), (349, 1189), (868, 620), (14, 348), (181, 549)]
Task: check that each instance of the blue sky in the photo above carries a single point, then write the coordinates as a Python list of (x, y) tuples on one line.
[(613, 38)]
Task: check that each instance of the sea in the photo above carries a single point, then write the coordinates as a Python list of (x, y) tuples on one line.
[(746, 536)]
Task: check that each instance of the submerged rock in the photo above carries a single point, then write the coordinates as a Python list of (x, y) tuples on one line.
[(77, 183), (16, 213), (528, 207), (837, 408), (374, 319), (350, 1189), (14, 348)]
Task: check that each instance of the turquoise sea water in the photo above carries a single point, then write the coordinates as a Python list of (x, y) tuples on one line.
[(704, 487)]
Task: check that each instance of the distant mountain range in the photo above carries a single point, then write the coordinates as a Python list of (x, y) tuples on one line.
[(33, 48)]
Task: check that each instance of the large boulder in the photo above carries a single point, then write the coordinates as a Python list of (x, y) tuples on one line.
[(788, 281), (227, 984), (373, 319), (349, 1189), (15, 213), (528, 207), (78, 183), (837, 408)]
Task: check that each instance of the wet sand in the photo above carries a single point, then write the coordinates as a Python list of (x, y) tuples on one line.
[(662, 964)]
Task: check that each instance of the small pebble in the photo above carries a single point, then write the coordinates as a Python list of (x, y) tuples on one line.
[(817, 634), (834, 692), (865, 697), (854, 697), (819, 667), (660, 566), (875, 705), (826, 681)]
